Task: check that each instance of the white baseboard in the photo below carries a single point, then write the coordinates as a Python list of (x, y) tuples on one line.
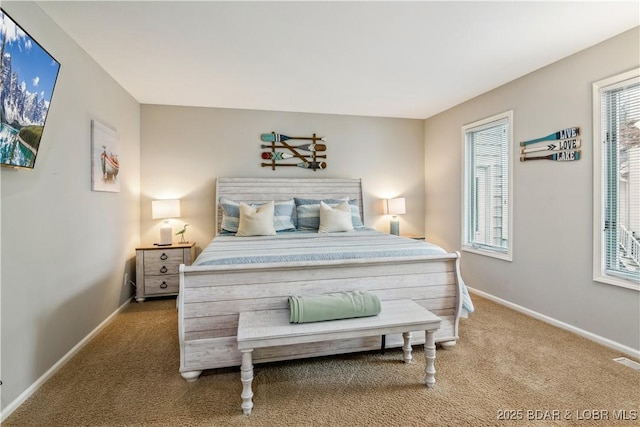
[(586, 334), (59, 364)]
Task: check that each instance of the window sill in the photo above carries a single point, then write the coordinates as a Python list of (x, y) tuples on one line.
[(615, 281), (498, 255)]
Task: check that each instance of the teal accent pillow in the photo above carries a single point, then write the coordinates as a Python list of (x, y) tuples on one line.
[(282, 218)]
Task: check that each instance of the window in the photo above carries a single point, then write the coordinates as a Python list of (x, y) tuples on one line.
[(616, 130), (487, 186)]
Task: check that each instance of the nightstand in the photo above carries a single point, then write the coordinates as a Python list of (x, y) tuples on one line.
[(157, 269), (413, 236)]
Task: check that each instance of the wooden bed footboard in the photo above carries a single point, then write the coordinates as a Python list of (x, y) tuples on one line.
[(211, 298)]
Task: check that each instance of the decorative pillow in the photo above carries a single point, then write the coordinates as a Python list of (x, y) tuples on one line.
[(283, 214), (355, 214), (308, 212), (335, 219), (230, 214), (256, 221)]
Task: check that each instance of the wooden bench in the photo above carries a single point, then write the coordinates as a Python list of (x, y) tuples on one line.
[(267, 328)]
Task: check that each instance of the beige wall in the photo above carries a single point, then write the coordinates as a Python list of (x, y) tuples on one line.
[(184, 149), (551, 272), (65, 248)]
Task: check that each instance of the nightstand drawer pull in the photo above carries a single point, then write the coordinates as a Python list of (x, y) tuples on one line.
[(163, 285), (163, 269), (163, 256)]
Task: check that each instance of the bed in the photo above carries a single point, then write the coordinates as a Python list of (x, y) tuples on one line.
[(235, 274)]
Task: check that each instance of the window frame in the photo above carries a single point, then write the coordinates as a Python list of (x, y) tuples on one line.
[(487, 250), (599, 265)]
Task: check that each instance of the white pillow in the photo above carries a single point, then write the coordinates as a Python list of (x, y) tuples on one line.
[(256, 221), (335, 219)]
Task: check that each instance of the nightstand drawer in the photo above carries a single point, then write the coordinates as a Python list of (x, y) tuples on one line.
[(161, 285), (158, 268), (163, 262)]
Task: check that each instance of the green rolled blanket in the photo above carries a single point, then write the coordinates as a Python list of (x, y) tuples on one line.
[(339, 305)]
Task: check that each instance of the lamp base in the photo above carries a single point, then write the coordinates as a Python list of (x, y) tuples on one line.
[(394, 227), (165, 234)]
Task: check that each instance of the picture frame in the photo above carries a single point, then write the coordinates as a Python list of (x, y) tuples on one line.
[(105, 162), (28, 75)]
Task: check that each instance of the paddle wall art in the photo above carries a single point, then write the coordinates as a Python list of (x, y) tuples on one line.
[(310, 155), (561, 146)]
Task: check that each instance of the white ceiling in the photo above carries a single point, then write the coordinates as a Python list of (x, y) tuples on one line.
[(389, 59)]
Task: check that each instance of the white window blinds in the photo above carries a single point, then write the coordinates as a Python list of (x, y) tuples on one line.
[(619, 140), (487, 186)]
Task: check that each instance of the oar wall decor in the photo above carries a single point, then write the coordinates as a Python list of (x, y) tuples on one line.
[(303, 165), (561, 134), (277, 137), (564, 145), (307, 160), (305, 147), (278, 155), (563, 156)]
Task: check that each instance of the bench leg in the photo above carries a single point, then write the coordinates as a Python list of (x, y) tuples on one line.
[(430, 356), (246, 376), (406, 348)]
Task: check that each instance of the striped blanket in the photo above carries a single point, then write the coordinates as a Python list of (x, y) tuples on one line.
[(361, 243), (227, 249)]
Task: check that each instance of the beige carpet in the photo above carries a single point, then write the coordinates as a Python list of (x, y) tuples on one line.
[(505, 361)]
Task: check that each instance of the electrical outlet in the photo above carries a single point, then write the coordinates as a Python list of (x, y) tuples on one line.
[(126, 279)]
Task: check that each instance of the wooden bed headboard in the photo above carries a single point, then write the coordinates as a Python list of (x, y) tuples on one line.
[(258, 190)]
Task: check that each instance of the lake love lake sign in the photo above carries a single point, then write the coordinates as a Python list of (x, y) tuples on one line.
[(566, 146)]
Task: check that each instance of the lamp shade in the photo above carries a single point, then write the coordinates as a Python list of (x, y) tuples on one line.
[(161, 209), (395, 206)]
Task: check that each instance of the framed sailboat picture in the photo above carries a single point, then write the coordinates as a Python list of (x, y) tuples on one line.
[(105, 165)]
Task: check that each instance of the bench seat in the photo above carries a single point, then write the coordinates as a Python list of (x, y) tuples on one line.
[(268, 328)]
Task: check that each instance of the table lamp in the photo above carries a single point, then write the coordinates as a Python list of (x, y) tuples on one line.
[(395, 207), (165, 209)]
